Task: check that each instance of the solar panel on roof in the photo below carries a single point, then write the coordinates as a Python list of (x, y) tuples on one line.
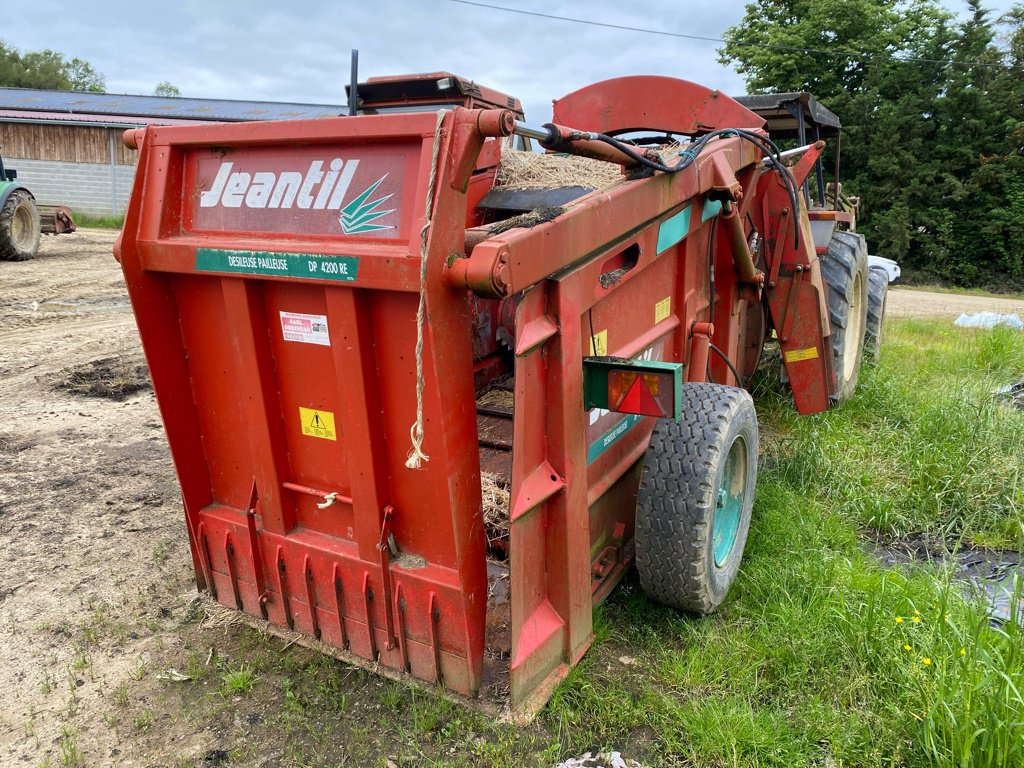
[(93, 104)]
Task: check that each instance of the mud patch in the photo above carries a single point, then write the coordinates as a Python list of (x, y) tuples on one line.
[(11, 443), (1013, 394), (991, 576), (115, 377)]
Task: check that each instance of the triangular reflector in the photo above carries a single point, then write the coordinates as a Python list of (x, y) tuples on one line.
[(639, 400)]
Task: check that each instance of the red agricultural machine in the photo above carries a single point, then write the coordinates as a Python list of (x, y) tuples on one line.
[(428, 418)]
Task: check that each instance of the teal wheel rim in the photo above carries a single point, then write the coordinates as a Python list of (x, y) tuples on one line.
[(729, 503)]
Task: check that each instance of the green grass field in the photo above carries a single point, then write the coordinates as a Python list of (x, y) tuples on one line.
[(87, 221), (820, 656)]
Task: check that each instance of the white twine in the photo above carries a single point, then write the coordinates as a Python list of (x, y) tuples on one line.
[(416, 454), (329, 499)]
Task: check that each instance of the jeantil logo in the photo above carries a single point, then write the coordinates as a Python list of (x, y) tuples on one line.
[(316, 189)]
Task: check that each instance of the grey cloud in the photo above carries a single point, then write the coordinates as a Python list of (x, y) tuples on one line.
[(299, 51)]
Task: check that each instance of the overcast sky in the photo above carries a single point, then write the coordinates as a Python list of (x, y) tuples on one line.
[(281, 50)]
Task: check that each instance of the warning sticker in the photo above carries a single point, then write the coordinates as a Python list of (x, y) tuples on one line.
[(662, 309), (308, 329), (599, 344), (796, 355), (317, 423)]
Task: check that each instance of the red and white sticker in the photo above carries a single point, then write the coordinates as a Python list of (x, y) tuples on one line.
[(306, 329)]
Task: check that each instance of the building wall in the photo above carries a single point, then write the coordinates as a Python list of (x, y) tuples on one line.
[(66, 143), (93, 188), (71, 165)]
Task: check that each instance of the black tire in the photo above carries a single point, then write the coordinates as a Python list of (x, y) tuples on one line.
[(19, 227), (845, 269), (679, 498), (878, 294)]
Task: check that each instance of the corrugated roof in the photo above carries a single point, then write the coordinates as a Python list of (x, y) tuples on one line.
[(155, 109)]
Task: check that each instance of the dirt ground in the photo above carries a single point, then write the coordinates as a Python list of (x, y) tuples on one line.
[(91, 532), (904, 302), (99, 623)]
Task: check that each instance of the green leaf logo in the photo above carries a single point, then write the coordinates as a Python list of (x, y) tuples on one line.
[(359, 215)]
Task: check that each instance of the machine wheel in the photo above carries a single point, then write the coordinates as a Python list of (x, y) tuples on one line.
[(696, 493), (878, 293), (19, 227), (845, 269)]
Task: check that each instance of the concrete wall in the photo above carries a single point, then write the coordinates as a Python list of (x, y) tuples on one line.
[(92, 188)]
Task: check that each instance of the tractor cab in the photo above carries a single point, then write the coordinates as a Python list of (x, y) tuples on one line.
[(801, 118), (5, 174)]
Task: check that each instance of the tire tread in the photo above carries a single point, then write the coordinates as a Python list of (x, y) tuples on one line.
[(9, 251), (676, 499)]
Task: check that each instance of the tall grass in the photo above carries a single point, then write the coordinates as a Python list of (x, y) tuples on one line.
[(821, 655), (924, 447), (972, 711)]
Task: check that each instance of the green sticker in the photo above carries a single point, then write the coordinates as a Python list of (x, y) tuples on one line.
[(609, 438), (673, 229), (301, 265)]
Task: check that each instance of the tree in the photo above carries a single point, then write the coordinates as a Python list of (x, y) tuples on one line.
[(83, 77), (47, 69), (166, 89), (929, 107)]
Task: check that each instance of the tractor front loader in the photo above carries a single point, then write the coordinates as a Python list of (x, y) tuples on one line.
[(429, 418)]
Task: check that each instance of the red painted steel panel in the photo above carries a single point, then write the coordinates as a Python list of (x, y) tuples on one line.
[(651, 102), (302, 379)]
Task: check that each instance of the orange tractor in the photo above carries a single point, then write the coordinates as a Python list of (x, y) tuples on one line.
[(429, 418)]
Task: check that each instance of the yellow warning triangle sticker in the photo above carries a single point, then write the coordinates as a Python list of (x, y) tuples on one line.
[(317, 423)]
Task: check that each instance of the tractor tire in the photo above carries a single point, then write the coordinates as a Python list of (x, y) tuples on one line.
[(696, 494), (878, 294), (19, 227), (845, 269)]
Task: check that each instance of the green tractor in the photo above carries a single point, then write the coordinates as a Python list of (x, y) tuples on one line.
[(23, 221)]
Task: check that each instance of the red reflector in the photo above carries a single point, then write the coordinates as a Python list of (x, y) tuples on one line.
[(639, 397)]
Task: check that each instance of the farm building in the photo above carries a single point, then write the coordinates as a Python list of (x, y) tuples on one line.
[(66, 147)]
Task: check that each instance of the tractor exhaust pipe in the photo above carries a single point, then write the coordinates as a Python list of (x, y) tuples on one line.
[(353, 88)]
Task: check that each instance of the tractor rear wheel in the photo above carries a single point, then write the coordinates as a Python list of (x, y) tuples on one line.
[(696, 494), (19, 227), (878, 293), (845, 269)]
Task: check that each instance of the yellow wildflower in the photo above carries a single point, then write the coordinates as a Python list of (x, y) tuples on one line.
[(916, 619), (899, 619), (906, 647), (926, 661), (963, 651)]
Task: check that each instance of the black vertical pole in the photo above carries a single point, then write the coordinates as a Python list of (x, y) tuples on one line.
[(818, 173), (801, 130), (353, 89)]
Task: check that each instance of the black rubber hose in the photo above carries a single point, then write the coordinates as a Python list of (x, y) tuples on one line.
[(763, 143), (728, 362)]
